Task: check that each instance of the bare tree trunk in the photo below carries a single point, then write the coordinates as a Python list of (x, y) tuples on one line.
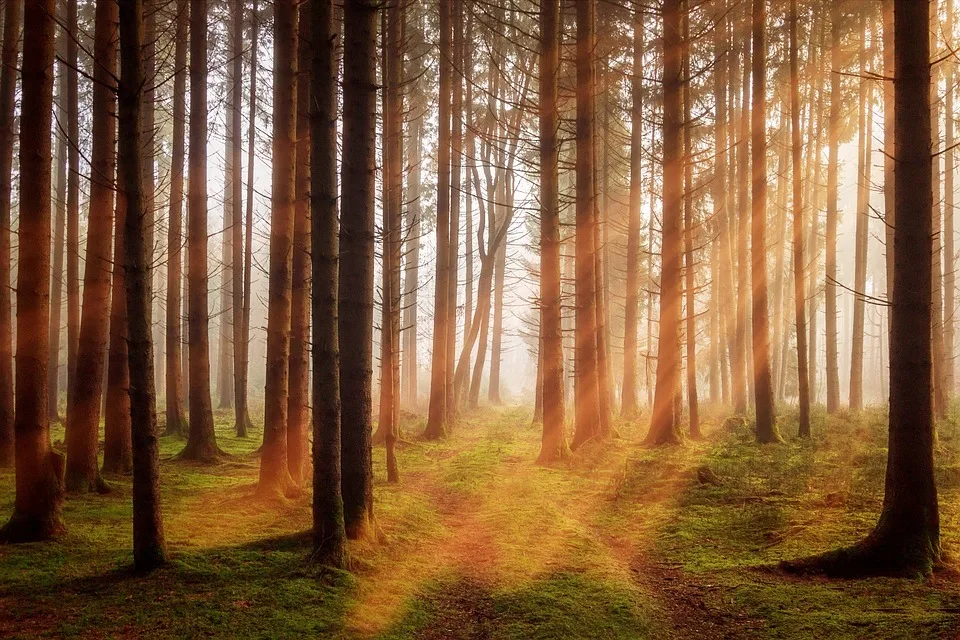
[(56, 279), (665, 423), (437, 418), (863, 213), (688, 232), (39, 478), (73, 198), (117, 444), (236, 151), (830, 238), (201, 439), (940, 391), (586, 382), (355, 321), (949, 252), (329, 536), (298, 410), (275, 477), (741, 366), (84, 397), (225, 355), (149, 547), (799, 265), (766, 416), (453, 250), (12, 12)]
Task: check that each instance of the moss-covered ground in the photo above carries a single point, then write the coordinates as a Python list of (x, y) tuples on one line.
[(621, 541)]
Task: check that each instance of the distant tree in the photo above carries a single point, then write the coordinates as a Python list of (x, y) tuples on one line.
[(73, 196), (689, 232), (830, 236), (39, 469)]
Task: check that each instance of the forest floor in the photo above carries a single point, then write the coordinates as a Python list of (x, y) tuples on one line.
[(621, 541)]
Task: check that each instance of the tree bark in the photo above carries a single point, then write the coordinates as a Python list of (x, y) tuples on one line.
[(799, 266), (830, 238), (117, 444), (12, 12), (39, 470), (688, 233), (149, 547), (863, 219)]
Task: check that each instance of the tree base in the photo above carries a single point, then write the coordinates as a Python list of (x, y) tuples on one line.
[(874, 556), (27, 528), (176, 428), (85, 484), (203, 452)]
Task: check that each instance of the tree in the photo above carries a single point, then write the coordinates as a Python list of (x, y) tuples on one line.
[(231, 191), (830, 236), (8, 86), (176, 422), (437, 416), (799, 266), (84, 396), (298, 407), (275, 478), (629, 407), (665, 423), (60, 221), (39, 469), (688, 231), (863, 213), (587, 393), (329, 536), (73, 197), (553, 445), (763, 383), (149, 547), (201, 439), (906, 539), (355, 278)]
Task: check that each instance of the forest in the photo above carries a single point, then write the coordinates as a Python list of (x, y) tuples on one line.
[(479, 319)]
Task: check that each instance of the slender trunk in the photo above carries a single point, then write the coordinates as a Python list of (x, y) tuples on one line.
[(688, 232), (201, 439), (665, 423), (117, 443), (56, 279), (766, 417), (329, 536), (799, 266), (863, 213), (84, 397), (275, 477), (8, 86), (949, 270), (149, 547), (225, 348), (39, 469), (355, 321), (453, 250), (236, 151), (940, 391), (73, 198), (742, 378), (830, 238)]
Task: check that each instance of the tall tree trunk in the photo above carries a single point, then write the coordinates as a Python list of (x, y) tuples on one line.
[(60, 191), (176, 422), (243, 365), (830, 238), (469, 161), (949, 267), (456, 165), (73, 198), (629, 406), (723, 207), (499, 279), (863, 219), (741, 378), (586, 383), (329, 536), (889, 150), (799, 266), (940, 391), (275, 477), (8, 86), (201, 439), (665, 423), (437, 418), (688, 231), (355, 321), (149, 547), (225, 355), (236, 151), (117, 444), (766, 418), (298, 408), (84, 397), (39, 469)]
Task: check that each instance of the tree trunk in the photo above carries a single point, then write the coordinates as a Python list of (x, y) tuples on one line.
[(830, 238), (149, 547), (73, 199), (60, 191), (355, 322), (437, 418), (456, 165), (225, 355), (863, 219), (799, 266), (741, 378), (688, 232), (586, 382), (298, 409), (665, 423), (766, 417), (236, 151), (8, 86), (275, 477), (940, 391), (84, 397), (329, 536), (201, 439), (39, 469)]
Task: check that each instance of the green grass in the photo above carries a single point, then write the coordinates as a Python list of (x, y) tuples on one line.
[(621, 541)]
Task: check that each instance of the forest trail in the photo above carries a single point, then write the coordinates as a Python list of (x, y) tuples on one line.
[(619, 541)]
